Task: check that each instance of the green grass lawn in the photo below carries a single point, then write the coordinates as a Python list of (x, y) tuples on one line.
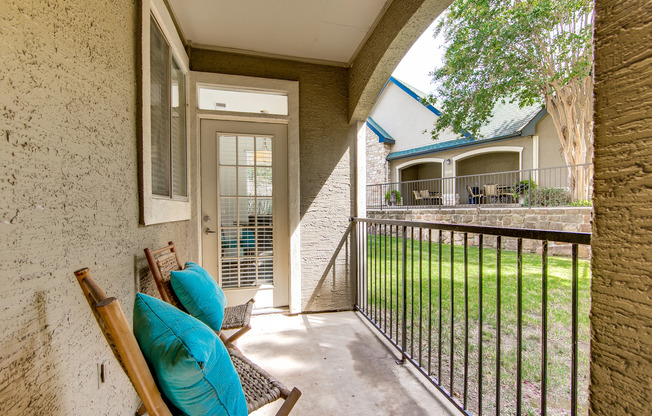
[(425, 274)]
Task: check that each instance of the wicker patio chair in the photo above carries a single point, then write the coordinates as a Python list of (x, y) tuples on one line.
[(163, 261), (417, 197), (474, 198), (491, 192), (432, 197), (259, 387)]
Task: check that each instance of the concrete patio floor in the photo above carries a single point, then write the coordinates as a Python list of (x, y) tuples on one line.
[(341, 366)]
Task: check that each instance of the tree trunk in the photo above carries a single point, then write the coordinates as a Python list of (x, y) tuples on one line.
[(571, 109)]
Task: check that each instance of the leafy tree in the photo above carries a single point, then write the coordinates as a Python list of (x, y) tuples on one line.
[(523, 51)]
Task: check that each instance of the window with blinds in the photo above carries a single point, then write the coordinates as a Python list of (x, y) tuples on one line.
[(168, 119)]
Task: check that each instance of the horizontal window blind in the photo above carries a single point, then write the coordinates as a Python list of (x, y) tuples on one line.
[(160, 111)]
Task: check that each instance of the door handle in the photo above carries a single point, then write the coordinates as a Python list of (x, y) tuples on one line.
[(209, 231)]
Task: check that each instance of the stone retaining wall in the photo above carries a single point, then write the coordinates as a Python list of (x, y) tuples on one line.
[(572, 219)]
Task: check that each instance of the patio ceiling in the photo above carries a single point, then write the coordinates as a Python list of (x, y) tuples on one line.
[(327, 31)]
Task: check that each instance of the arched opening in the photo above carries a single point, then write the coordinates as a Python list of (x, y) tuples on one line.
[(488, 163), (420, 171), (420, 177), (486, 174)]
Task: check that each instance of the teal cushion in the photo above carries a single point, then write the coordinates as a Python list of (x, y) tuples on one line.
[(199, 294), (193, 368)]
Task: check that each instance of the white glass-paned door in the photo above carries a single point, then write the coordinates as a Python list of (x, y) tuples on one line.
[(245, 209)]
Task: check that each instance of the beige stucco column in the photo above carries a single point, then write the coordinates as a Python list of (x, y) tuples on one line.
[(621, 290)]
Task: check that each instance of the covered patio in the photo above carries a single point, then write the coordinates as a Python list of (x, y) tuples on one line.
[(341, 365), (77, 189)]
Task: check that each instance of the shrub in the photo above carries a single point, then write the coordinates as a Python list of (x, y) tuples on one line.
[(388, 195), (582, 203), (521, 187), (547, 197)]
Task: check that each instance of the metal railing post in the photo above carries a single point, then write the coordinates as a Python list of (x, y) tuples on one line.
[(529, 190), (404, 307)]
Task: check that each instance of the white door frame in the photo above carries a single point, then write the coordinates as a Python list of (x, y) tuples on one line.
[(291, 88)]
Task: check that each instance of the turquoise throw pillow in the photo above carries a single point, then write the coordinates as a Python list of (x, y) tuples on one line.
[(192, 367), (199, 294)]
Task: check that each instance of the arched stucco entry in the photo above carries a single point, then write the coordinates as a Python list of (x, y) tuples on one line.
[(488, 163), (494, 159), (421, 171), (417, 170), (425, 168), (482, 162)]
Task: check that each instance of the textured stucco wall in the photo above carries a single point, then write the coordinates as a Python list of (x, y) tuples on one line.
[(327, 167), (401, 25), (621, 292), (407, 120), (488, 163), (550, 154), (68, 199)]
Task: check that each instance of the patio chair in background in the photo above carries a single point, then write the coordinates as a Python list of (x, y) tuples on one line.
[(491, 193), (475, 196), (163, 260), (505, 193), (417, 197), (259, 387), (432, 198)]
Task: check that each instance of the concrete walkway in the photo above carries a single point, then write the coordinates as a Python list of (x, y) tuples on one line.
[(341, 366)]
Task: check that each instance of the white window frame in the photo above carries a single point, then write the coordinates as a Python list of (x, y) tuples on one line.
[(157, 209)]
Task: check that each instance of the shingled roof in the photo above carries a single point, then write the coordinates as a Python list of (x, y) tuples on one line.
[(508, 121)]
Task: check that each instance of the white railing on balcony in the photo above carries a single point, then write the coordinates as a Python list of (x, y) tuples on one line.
[(546, 187)]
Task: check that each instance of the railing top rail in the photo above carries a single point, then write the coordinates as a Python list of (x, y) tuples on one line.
[(556, 236), (504, 173)]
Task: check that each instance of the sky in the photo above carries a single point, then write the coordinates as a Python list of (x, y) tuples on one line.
[(421, 59)]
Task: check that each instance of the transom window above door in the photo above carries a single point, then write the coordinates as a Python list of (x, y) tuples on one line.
[(242, 101)]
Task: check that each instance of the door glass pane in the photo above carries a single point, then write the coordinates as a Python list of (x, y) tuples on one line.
[(263, 151), (245, 205), (229, 273), (264, 207), (264, 181), (229, 242), (265, 238), (228, 181), (265, 270), (247, 213), (227, 150), (228, 212), (246, 181), (245, 151)]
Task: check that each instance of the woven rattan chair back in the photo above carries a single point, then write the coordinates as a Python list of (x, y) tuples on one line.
[(164, 260), (161, 263)]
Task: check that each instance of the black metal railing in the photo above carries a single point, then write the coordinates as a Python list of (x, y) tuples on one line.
[(482, 312), (545, 187)]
